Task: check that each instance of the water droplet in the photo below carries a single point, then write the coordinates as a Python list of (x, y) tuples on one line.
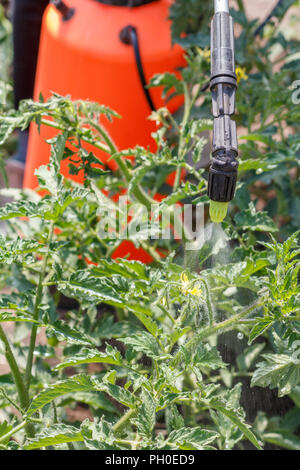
[(240, 336)]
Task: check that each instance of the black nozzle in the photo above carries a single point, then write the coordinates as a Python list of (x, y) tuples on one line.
[(66, 11), (223, 176), (223, 170)]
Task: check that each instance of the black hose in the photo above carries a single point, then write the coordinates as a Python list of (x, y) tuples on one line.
[(64, 9), (129, 35), (126, 3)]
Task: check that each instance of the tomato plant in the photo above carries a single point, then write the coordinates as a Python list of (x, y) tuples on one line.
[(162, 355)]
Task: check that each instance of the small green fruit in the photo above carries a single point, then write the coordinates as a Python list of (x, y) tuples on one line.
[(52, 340)]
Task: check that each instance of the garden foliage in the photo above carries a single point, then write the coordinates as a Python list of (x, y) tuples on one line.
[(160, 355)]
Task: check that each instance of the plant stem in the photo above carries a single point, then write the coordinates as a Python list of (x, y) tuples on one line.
[(138, 192), (164, 310), (224, 325), (211, 330), (124, 420), (38, 298), (13, 431), (104, 135), (189, 102), (12, 402), (98, 145), (18, 379), (241, 5), (181, 145)]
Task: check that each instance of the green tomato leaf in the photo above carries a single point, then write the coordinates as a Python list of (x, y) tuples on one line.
[(262, 325), (56, 434), (143, 342), (283, 438), (145, 419), (192, 438), (110, 356), (245, 428), (78, 383), (280, 371), (250, 219)]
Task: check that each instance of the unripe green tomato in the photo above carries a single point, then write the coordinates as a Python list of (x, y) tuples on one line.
[(52, 340)]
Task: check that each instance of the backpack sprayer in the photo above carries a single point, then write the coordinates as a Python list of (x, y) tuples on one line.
[(223, 83)]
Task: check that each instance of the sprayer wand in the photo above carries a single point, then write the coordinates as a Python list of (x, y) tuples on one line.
[(223, 170)]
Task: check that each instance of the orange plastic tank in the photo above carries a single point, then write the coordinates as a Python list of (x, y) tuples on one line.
[(84, 57)]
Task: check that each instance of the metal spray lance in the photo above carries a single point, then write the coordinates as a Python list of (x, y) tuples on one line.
[(223, 170)]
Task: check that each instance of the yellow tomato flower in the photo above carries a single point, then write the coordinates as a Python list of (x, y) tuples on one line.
[(195, 291), (241, 73), (185, 286), (184, 281), (205, 53)]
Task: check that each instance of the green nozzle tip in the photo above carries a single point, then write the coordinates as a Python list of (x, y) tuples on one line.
[(217, 211)]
